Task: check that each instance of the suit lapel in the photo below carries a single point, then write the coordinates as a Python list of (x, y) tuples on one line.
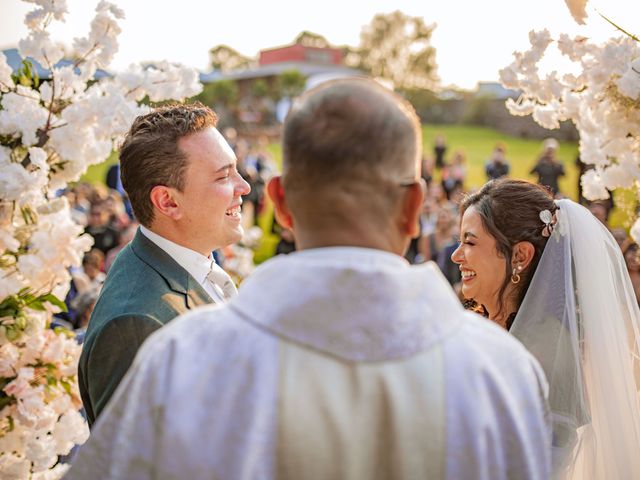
[(177, 278)]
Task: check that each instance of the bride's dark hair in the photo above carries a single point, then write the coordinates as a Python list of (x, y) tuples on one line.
[(510, 213)]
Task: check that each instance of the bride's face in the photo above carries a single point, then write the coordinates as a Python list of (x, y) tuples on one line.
[(482, 267)]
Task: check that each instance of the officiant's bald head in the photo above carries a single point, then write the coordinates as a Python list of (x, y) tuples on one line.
[(351, 159)]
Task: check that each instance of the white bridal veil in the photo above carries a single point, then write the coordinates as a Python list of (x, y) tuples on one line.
[(580, 319)]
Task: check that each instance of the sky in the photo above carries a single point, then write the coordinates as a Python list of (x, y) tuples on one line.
[(473, 38)]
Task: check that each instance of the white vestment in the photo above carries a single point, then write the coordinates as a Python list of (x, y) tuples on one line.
[(333, 363)]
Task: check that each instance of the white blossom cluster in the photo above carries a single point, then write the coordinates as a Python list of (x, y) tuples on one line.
[(51, 130), (603, 100)]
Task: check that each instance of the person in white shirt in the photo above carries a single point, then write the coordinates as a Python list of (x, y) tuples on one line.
[(340, 360), (181, 178)]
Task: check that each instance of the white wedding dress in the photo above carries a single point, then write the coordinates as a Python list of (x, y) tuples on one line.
[(580, 319)]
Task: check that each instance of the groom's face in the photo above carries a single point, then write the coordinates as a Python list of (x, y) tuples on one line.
[(210, 201)]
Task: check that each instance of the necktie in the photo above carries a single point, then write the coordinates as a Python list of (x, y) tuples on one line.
[(221, 282)]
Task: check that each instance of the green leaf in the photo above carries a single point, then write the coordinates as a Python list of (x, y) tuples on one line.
[(13, 334), (21, 321), (53, 300), (64, 331), (5, 402), (66, 385)]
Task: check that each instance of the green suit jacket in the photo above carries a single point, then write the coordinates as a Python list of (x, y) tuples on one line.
[(144, 290)]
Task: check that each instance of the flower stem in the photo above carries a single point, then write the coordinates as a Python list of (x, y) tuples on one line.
[(618, 27)]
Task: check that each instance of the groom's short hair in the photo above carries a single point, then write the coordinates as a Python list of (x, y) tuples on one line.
[(150, 155)]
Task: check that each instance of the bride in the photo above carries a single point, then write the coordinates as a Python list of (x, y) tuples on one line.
[(553, 275)]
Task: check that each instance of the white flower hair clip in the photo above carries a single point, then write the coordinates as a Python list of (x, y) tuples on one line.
[(549, 220)]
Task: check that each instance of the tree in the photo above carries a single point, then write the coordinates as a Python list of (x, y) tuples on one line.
[(259, 88), (221, 93), (310, 39), (397, 47), (291, 83), (225, 58)]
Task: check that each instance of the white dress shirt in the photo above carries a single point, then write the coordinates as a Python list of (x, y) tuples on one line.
[(193, 262)]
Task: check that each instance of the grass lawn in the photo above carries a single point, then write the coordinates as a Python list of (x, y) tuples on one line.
[(477, 143)]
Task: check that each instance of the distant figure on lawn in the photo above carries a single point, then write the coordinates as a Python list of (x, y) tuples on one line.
[(497, 166), (549, 168)]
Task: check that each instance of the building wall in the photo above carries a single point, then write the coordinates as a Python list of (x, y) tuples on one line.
[(300, 53)]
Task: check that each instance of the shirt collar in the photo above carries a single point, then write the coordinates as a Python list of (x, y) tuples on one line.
[(193, 262)]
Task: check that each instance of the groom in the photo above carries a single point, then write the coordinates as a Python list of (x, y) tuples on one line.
[(181, 178), (340, 360)]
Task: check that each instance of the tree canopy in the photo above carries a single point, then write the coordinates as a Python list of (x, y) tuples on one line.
[(397, 47), (225, 58), (310, 39)]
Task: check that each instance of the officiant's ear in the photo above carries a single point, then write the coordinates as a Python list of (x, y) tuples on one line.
[(163, 200), (412, 207), (522, 255), (276, 193)]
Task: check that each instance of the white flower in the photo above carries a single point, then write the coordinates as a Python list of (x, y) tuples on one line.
[(102, 43), (8, 241), (616, 176), (10, 285), (629, 83), (55, 473), (547, 116), (55, 8), (9, 356), (68, 82), (14, 467), (578, 10), (71, 429), (509, 78), (574, 48), (6, 82), (593, 187), (40, 450), (22, 114), (34, 270), (520, 107), (39, 46)]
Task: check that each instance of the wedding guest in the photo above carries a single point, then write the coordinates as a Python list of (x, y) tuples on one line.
[(182, 181), (439, 150), (339, 360), (552, 274), (436, 245), (83, 304), (549, 168), (498, 165), (105, 237), (90, 276), (126, 236)]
